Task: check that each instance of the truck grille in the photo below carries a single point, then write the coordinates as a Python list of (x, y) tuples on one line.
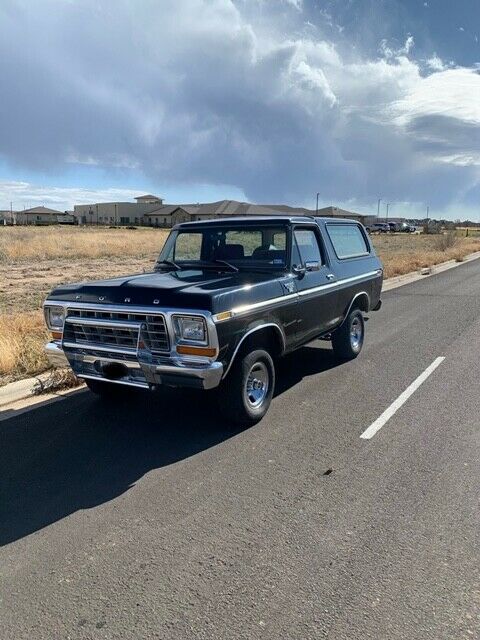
[(123, 336)]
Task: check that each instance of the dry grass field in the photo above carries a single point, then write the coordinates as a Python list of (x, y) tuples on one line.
[(403, 253), (34, 260), (20, 244)]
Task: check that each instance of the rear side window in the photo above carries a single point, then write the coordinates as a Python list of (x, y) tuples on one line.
[(348, 240)]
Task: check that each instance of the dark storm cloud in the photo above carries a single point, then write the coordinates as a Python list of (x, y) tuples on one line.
[(194, 91)]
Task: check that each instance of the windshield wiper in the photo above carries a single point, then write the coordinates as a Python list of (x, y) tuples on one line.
[(215, 263), (168, 263), (226, 263)]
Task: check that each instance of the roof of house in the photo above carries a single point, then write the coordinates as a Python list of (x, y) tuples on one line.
[(235, 208), (42, 210), (148, 196), (337, 211)]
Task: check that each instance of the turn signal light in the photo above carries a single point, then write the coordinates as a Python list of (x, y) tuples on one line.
[(57, 335), (187, 350)]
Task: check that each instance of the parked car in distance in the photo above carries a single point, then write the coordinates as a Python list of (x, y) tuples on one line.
[(225, 300), (379, 227), (394, 226)]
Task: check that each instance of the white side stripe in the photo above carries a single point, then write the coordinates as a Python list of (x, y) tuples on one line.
[(303, 292), (402, 398)]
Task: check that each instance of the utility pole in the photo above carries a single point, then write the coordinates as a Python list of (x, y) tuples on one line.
[(378, 207), (316, 210)]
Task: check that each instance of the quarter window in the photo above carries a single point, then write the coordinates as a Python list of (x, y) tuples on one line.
[(307, 244), (348, 240)]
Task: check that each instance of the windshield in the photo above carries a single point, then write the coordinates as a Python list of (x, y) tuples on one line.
[(262, 246)]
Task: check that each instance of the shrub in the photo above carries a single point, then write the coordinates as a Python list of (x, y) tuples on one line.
[(446, 241)]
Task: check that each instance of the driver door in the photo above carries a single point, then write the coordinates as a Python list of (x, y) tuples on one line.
[(317, 302)]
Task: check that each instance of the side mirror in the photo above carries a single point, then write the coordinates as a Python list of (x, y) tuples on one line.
[(312, 265), (299, 270)]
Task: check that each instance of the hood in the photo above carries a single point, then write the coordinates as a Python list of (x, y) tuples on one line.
[(186, 289)]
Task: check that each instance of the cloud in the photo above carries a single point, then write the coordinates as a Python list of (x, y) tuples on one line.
[(231, 93), (26, 195), (435, 63), (390, 52), (298, 4), (441, 114)]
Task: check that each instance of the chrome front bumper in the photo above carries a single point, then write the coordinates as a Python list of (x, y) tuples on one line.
[(138, 373)]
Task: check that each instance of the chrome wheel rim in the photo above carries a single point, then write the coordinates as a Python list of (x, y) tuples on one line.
[(257, 385), (356, 333)]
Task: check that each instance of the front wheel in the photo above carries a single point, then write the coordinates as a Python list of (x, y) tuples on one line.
[(246, 393), (347, 341)]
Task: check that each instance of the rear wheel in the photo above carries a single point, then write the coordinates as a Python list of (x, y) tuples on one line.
[(246, 393), (347, 341)]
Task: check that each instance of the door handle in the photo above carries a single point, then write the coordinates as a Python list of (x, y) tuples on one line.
[(330, 276)]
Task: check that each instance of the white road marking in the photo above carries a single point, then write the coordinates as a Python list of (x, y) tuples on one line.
[(402, 398)]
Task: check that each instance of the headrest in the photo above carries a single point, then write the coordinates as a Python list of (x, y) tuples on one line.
[(230, 251)]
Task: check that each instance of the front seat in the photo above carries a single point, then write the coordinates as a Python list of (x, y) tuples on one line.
[(230, 252)]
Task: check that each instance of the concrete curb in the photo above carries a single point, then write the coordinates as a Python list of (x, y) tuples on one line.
[(17, 391), (29, 387), (22, 389)]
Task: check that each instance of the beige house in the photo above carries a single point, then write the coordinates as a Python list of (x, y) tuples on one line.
[(170, 215), (43, 216), (149, 210), (117, 213)]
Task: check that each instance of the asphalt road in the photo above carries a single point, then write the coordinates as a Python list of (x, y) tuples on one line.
[(154, 519)]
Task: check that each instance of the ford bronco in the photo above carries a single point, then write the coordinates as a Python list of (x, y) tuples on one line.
[(226, 298)]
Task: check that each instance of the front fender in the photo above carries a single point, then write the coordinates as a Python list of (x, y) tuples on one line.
[(232, 337)]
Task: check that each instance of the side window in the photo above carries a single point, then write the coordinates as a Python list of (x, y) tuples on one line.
[(348, 240), (307, 243)]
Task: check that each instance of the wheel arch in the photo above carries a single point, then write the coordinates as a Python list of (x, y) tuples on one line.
[(273, 337), (360, 300)]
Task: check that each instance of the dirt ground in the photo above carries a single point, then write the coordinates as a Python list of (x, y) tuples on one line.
[(24, 287)]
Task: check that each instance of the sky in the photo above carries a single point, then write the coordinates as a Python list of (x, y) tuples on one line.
[(267, 101)]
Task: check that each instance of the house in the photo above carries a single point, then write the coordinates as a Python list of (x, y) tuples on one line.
[(117, 213), (337, 212), (151, 211), (149, 199), (43, 216), (170, 215)]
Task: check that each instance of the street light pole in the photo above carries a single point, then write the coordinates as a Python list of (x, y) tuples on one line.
[(388, 206), (378, 207), (316, 210)]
